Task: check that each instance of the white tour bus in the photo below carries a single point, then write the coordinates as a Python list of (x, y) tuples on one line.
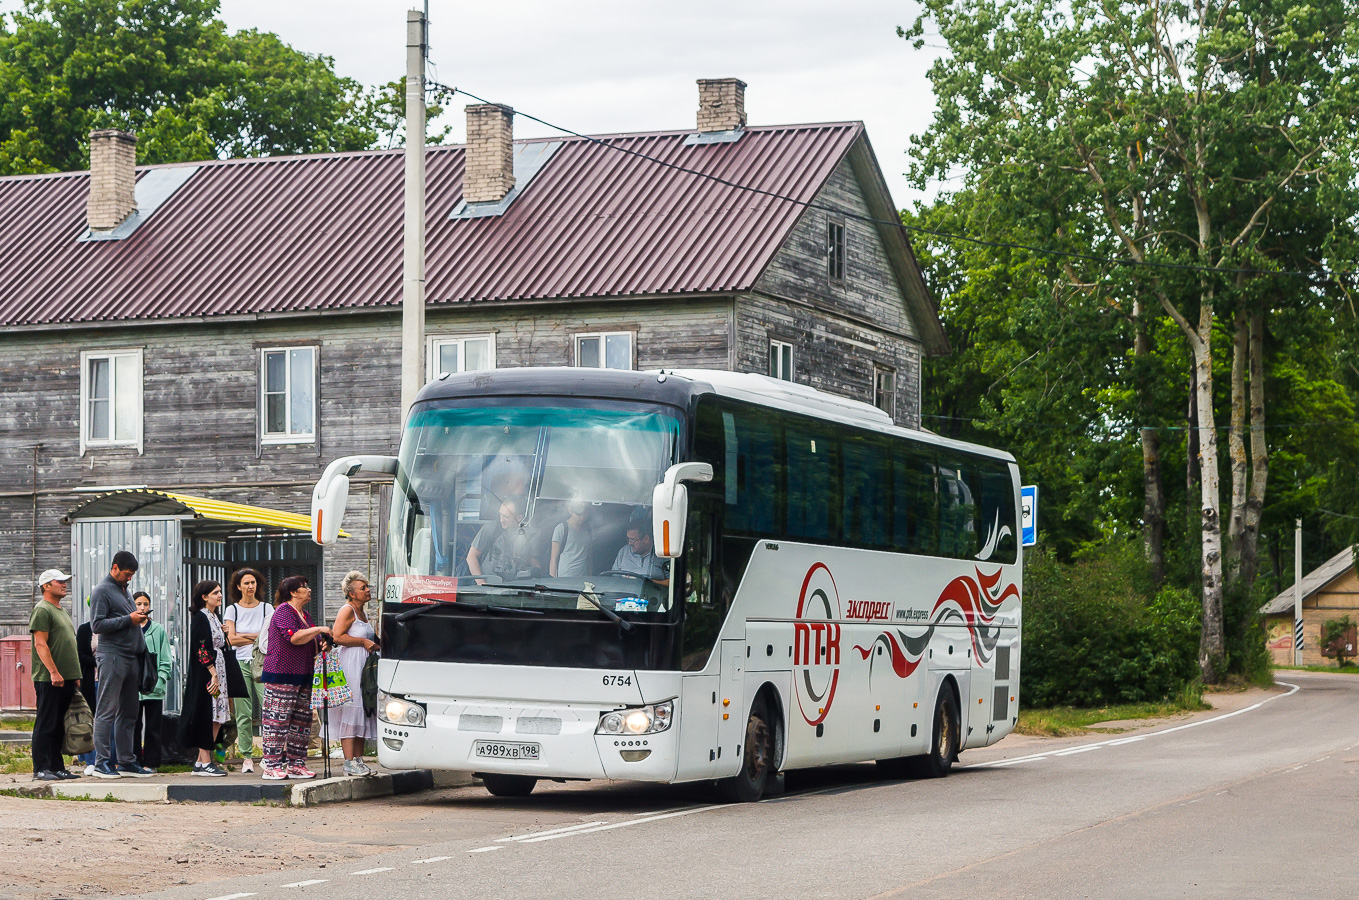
[(685, 575)]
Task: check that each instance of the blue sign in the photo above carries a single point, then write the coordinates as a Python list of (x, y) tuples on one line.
[(1028, 514)]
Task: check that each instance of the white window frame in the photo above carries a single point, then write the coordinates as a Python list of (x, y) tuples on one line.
[(86, 442), (776, 349), (288, 437), (603, 340), (877, 372), (437, 341)]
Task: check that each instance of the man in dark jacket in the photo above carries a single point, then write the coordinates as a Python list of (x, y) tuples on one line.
[(114, 617)]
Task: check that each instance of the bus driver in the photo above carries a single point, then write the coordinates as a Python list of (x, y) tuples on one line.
[(638, 555)]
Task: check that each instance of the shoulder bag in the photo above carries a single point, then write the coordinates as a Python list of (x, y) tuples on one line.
[(261, 647)]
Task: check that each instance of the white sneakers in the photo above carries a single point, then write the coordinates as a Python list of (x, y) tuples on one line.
[(357, 767)]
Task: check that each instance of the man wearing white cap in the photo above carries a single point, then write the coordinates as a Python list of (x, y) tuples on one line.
[(56, 675)]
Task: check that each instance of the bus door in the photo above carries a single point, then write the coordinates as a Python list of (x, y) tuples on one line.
[(701, 656)]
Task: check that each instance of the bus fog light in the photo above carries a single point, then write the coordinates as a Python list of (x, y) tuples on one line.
[(634, 755), (396, 711), (393, 743), (638, 720)]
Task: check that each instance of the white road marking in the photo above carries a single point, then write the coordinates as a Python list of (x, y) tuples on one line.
[(524, 837), (1008, 762), (485, 849), (657, 818), (1085, 749), (372, 871), (432, 859), (234, 896), (306, 883), (1127, 740)]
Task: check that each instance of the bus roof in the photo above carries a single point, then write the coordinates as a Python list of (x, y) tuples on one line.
[(678, 386)]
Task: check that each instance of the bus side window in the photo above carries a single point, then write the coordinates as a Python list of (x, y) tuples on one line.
[(998, 526)]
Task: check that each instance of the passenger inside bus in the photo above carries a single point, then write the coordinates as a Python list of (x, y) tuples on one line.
[(572, 541), (499, 552)]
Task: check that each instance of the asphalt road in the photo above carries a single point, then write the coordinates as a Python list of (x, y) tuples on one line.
[(1262, 802)]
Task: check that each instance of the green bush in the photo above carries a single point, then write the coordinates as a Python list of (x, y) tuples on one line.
[(1095, 633)]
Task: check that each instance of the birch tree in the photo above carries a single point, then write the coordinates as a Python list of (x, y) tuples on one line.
[(1174, 137)]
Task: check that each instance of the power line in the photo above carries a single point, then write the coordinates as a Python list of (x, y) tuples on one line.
[(850, 214)]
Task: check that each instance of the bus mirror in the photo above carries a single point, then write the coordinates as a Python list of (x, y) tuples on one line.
[(670, 506), (331, 493)]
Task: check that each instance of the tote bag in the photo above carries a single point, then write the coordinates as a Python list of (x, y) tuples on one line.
[(329, 687)]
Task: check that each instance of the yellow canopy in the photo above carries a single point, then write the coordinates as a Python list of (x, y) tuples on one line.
[(143, 502)]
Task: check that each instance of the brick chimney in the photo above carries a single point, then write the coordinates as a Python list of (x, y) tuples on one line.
[(113, 179), (488, 172), (721, 104)]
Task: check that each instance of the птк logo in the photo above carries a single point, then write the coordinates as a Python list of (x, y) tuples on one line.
[(816, 644)]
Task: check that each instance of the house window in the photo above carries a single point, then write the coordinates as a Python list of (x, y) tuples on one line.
[(885, 389), (835, 251), (111, 399), (471, 353), (288, 397), (609, 350), (781, 360)]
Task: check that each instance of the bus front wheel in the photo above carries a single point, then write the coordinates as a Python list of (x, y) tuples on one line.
[(756, 761), (508, 785)]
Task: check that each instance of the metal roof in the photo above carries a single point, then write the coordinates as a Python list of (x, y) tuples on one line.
[(142, 502), (323, 232), (1312, 582)]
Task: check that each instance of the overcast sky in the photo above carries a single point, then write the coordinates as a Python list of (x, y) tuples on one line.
[(598, 66)]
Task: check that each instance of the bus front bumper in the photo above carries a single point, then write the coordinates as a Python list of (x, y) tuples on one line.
[(537, 741)]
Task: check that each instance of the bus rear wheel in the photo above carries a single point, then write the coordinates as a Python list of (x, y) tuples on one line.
[(507, 785), (748, 785), (944, 747)]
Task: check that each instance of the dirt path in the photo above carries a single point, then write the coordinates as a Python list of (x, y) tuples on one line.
[(80, 849)]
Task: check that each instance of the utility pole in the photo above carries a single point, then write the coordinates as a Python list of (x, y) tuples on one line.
[(413, 267), (1297, 592)]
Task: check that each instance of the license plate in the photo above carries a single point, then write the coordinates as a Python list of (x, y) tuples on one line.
[(502, 750)]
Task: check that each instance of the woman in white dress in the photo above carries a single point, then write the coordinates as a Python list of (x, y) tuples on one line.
[(356, 639)]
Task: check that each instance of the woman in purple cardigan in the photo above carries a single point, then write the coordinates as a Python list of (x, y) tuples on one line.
[(288, 663)]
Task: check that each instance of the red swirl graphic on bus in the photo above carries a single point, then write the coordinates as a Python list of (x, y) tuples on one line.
[(816, 644), (973, 603)]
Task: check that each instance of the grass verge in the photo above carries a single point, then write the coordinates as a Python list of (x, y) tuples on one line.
[(1062, 721), (1350, 669)]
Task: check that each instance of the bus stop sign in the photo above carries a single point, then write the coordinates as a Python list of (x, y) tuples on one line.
[(1028, 513)]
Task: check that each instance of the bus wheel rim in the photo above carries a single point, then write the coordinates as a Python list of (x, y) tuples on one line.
[(757, 739)]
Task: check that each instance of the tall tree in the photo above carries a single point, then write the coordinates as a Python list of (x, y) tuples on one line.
[(170, 71), (1165, 134)]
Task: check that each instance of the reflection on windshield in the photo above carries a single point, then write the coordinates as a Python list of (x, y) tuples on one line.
[(531, 507)]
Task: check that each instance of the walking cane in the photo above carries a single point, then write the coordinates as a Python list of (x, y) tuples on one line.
[(325, 716)]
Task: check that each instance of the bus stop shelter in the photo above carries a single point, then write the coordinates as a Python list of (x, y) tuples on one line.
[(179, 540)]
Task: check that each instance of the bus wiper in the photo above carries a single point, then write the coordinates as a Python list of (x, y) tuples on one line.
[(427, 604), (587, 593), (431, 603), (486, 607)]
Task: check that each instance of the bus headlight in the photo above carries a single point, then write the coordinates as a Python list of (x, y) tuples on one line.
[(637, 720), (396, 711)]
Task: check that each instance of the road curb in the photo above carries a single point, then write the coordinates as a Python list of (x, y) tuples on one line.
[(385, 784), (307, 794)]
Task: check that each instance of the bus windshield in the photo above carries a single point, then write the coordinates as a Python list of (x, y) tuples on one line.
[(537, 507)]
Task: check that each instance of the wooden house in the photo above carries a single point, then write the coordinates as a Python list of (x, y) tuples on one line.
[(1330, 591), (220, 330)]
